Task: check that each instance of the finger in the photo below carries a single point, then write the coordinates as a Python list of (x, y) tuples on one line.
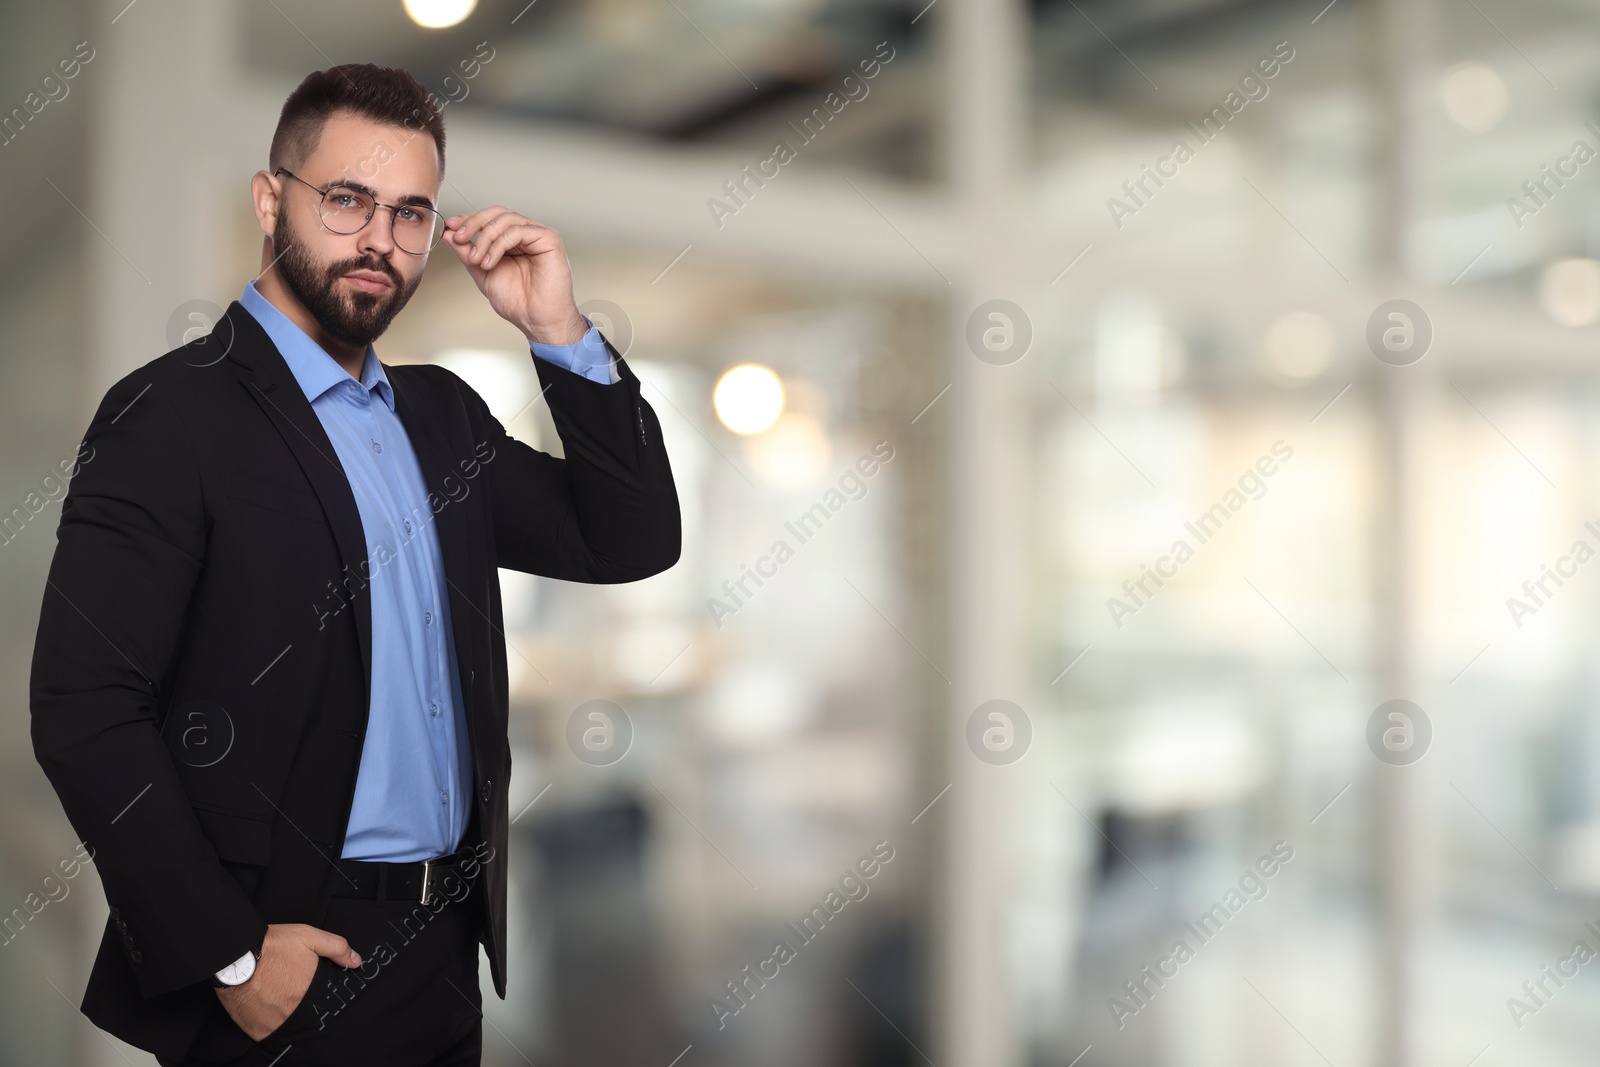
[(475, 238), (473, 219), (460, 232), (528, 239), (496, 245), (492, 239), (331, 945), (462, 247), (469, 226), (469, 252)]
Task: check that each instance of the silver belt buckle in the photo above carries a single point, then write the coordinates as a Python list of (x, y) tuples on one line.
[(427, 881)]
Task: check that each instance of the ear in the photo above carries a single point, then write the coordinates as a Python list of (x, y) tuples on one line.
[(266, 192)]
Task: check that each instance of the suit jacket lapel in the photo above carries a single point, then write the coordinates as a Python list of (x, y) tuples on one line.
[(266, 376)]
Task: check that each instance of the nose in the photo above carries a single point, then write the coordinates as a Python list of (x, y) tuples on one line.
[(378, 236)]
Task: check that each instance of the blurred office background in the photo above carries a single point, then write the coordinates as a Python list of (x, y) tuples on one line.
[(1061, 347)]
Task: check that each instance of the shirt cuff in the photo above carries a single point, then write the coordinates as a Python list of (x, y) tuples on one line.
[(588, 356)]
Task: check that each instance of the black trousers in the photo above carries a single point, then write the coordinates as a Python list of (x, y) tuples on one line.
[(413, 1002)]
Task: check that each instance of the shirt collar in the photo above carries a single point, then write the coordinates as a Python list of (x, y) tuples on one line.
[(313, 368)]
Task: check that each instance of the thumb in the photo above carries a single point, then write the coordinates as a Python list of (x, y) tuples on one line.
[(331, 945), (461, 246)]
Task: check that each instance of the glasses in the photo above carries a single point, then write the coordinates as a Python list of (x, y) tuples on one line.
[(345, 210)]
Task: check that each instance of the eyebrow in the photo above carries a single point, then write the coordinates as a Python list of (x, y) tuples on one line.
[(411, 200)]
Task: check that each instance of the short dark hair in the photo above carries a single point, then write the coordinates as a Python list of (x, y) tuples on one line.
[(386, 95)]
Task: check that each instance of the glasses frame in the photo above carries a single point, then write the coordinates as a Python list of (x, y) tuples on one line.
[(323, 193)]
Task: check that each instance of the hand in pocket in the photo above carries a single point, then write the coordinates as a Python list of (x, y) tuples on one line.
[(283, 977)]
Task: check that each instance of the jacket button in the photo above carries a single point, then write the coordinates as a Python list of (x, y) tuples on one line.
[(135, 956), (488, 790), (472, 676)]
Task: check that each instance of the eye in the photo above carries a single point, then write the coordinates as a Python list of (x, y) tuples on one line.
[(408, 214)]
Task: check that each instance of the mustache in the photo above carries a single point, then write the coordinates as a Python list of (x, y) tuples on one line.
[(339, 270)]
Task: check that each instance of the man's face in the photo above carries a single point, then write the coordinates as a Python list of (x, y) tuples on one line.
[(315, 264)]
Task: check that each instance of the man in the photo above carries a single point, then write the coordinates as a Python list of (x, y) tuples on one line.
[(269, 683)]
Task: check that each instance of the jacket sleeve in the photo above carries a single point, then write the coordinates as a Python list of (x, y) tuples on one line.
[(130, 545), (608, 512)]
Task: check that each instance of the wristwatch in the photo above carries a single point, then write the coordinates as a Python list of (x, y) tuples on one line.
[(239, 971)]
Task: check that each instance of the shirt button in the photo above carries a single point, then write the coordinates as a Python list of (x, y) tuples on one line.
[(444, 798), (427, 617), (408, 527), (376, 447), (433, 709)]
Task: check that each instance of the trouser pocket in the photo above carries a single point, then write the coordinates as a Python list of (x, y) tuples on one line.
[(315, 1016)]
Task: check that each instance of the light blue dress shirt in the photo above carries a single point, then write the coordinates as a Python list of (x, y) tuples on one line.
[(413, 788), (587, 357)]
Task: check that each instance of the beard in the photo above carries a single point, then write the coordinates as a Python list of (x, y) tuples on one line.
[(348, 315)]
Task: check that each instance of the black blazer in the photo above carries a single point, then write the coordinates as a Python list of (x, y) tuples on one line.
[(202, 667)]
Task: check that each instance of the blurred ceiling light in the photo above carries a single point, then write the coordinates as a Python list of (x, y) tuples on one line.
[(438, 14), (748, 398), (1474, 96), (793, 454), (1298, 345), (1569, 290)]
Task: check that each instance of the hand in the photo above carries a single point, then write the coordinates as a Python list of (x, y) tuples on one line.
[(522, 268), (283, 976)]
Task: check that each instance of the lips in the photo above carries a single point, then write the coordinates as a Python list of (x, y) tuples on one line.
[(369, 281)]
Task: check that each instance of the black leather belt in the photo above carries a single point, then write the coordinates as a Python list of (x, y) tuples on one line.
[(422, 881)]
